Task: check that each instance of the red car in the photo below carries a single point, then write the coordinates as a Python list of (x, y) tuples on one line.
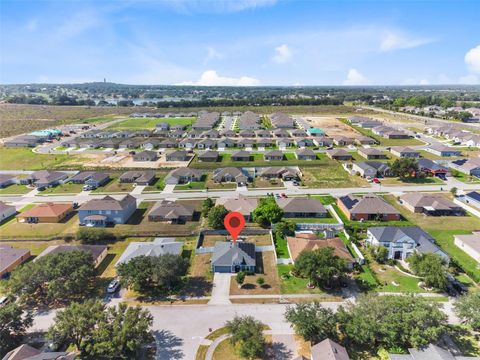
[(376, 181)]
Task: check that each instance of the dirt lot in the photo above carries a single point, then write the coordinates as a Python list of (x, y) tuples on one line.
[(259, 240), (124, 160), (332, 126)]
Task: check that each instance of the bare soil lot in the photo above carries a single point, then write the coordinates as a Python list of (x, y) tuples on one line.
[(332, 126)]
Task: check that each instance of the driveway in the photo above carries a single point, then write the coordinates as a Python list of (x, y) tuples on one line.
[(168, 189), (221, 289), (138, 189)]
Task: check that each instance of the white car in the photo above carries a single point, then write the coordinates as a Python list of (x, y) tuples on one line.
[(113, 286)]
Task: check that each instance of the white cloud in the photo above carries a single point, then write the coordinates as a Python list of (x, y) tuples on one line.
[(216, 6), (282, 55), (212, 78), (470, 79), (472, 59), (354, 77), (396, 41)]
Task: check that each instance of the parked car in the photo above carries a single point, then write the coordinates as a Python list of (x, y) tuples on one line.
[(376, 181), (283, 195), (113, 286)]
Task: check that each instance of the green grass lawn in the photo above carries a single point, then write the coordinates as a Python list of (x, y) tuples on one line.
[(432, 180), (114, 186), (148, 123), (26, 159), (158, 185), (15, 189), (428, 155), (325, 199), (281, 247), (467, 179), (329, 174), (68, 188), (293, 285), (193, 185)]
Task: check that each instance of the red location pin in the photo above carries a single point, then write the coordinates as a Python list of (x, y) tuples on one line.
[(234, 223)]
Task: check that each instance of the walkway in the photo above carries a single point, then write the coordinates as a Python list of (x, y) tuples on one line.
[(221, 289)]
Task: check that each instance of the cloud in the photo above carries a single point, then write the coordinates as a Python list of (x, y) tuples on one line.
[(354, 77), (212, 54), (472, 59), (211, 78), (470, 79), (424, 82), (282, 55), (216, 6), (396, 41)]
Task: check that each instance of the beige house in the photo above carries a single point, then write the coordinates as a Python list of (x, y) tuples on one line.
[(469, 244)]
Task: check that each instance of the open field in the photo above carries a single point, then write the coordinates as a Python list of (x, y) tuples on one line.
[(25, 159), (332, 126), (329, 175), (148, 123)]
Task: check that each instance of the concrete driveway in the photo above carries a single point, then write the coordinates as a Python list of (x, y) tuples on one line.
[(221, 289)]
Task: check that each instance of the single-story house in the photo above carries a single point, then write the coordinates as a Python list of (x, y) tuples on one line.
[(404, 152), (323, 141), (141, 177), (371, 169), (304, 142), (10, 258), (6, 211), (444, 151), (403, 241), (208, 156), (371, 153), (171, 211), (246, 143), (168, 144), (431, 352), (242, 204), (162, 126), (431, 168), (179, 155), (431, 204), (157, 247), (284, 143), (90, 178), (305, 154), (107, 210), (225, 143), (281, 133), (233, 257), (339, 154), (279, 172), (473, 198), (368, 207), (341, 140), (27, 352), (206, 144), (183, 176), (469, 244), (46, 213), (150, 144), (263, 133), (98, 252), (365, 140), (230, 174), (265, 143), (298, 207), (328, 350), (470, 166), (6, 180), (273, 155), (241, 156), (44, 178), (246, 134), (314, 131)]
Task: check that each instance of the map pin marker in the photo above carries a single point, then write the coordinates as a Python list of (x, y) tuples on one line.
[(234, 222)]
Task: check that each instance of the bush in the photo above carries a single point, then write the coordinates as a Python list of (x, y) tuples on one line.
[(94, 236)]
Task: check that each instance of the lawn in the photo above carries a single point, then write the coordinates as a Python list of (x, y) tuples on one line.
[(192, 185), (15, 189), (148, 123), (226, 351), (35, 247), (330, 174), (390, 181), (68, 188), (467, 179), (290, 284), (26, 159), (267, 269), (281, 247), (428, 155), (259, 240), (259, 182), (212, 185), (159, 183), (114, 186), (329, 219), (388, 275)]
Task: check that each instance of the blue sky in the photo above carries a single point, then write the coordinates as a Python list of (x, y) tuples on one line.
[(240, 42)]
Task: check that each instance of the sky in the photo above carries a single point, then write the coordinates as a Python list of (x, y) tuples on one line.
[(240, 42)]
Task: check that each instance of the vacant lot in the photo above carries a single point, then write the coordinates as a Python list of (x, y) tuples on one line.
[(148, 123), (25, 159), (259, 240), (332, 126), (330, 175)]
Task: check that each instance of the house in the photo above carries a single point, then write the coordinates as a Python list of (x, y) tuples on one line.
[(246, 134), (98, 252), (298, 207), (246, 143), (183, 175), (444, 151), (249, 121), (171, 211), (162, 126), (343, 140), (431, 352), (143, 177), (159, 246), (225, 143), (241, 155), (339, 154), (93, 179), (431, 204), (233, 257), (404, 152), (281, 133), (365, 140), (473, 198), (150, 144), (305, 154), (242, 204), (179, 155), (44, 178), (211, 134), (206, 144), (263, 133), (371, 169), (146, 155), (129, 144), (168, 144), (229, 133), (208, 156), (403, 241), (6, 180), (273, 155), (277, 172), (230, 174), (328, 350), (304, 142), (265, 143), (314, 131), (178, 127), (469, 244), (371, 153), (368, 207), (107, 210), (27, 352), (10, 258), (431, 168), (177, 134), (298, 133), (188, 144), (323, 141), (470, 166), (206, 121), (6, 211), (45, 213), (282, 120), (310, 242)]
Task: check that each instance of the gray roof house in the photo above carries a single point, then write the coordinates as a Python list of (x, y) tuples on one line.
[(232, 257), (146, 155), (159, 246), (273, 155), (179, 155), (230, 174), (431, 352), (470, 244), (431, 204), (98, 252), (279, 172), (328, 350), (297, 207), (368, 207), (241, 156), (371, 169), (339, 154), (403, 241), (171, 211), (445, 151), (107, 210), (371, 153), (305, 154), (91, 178), (6, 180), (44, 178), (6, 211), (141, 177), (470, 166), (404, 152), (183, 176), (243, 205), (208, 156), (10, 258)]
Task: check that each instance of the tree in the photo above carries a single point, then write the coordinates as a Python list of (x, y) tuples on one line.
[(321, 266), (284, 228), (94, 236), (240, 278), (207, 205), (14, 323), (404, 168), (467, 308), (378, 253), (392, 321), (144, 273), (312, 321), (431, 268), (454, 191), (54, 278), (216, 216), (247, 333), (267, 212)]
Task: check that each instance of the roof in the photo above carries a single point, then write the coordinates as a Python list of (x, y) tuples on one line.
[(5, 178), (329, 350), (305, 152), (46, 210), (4, 207), (403, 149), (177, 153), (209, 154), (339, 152), (159, 246), (9, 255), (95, 250), (298, 244), (108, 203), (431, 352), (277, 170), (433, 201), (48, 176), (86, 175), (241, 153), (377, 165), (139, 176), (431, 165), (171, 210), (301, 205), (274, 153), (368, 204), (243, 205), (22, 352), (473, 195), (184, 171), (370, 151), (472, 240), (231, 253)]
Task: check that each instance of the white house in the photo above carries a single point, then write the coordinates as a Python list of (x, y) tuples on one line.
[(469, 244)]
